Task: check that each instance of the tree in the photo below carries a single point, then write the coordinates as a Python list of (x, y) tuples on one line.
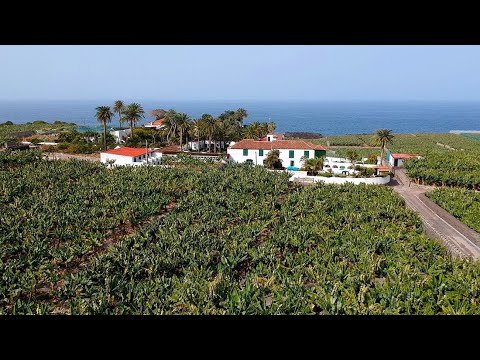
[(263, 130), (183, 122), (171, 117), (312, 166), (273, 161), (271, 126), (352, 156), (227, 129), (104, 116), (133, 113), (118, 108), (240, 115), (229, 125), (158, 113), (210, 125), (249, 132), (197, 128), (383, 137)]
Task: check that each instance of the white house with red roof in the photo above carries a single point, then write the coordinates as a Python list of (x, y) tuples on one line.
[(397, 159), (291, 151), (156, 124), (131, 156)]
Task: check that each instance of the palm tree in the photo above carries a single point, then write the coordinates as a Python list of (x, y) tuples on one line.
[(383, 137), (104, 116), (240, 115), (171, 117), (263, 129), (133, 113), (197, 127), (256, 129), (313, 165), (183, 122), (210, 125), (273, 161), (249, 132), (271, 126), (352, 156), (226, 129), (118, 107)]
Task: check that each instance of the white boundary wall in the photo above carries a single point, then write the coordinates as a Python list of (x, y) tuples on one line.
[(300, 175)]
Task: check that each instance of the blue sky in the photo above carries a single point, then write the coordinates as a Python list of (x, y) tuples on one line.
[(240, 72)]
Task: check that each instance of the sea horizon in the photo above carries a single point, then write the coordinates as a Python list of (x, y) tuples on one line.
[(327, 117)]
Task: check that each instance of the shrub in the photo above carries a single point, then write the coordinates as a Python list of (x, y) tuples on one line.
[(372, 159)]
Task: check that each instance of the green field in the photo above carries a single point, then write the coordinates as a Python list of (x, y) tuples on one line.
[(343, 152), (210, 239), (461, 203), (448, 159), (14, 131), (345, 140)]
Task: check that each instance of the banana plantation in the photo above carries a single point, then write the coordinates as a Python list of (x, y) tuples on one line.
[(448, 159), (196, 238), (461, 203)]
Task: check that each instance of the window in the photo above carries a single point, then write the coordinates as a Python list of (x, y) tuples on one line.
[(260, 152), (292, 163), (245, 152), (320, 153), (306, 153), (291, 154)]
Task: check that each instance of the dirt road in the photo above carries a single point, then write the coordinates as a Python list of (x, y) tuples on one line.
[(438, 223), (61, 156)]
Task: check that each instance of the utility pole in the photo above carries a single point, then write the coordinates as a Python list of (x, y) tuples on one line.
[(146, 150)]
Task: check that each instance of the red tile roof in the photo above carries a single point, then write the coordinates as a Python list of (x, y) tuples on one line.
[(277, 144), (404, 156), (382, 168), (128, 151), (158, 122)]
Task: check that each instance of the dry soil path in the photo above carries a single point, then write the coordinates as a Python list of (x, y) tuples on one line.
[(61, 156)]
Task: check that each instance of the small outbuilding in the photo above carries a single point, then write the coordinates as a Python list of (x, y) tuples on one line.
[(382, 170), (120, 134), (397, 159), (131, 156)]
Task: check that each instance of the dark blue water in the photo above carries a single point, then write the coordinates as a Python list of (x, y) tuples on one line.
[(328, 118)]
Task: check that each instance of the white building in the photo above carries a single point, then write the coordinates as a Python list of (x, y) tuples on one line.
[(131, 156), (156, 124), (337, 165), (204, 145), (120, 134), (291, 151), (398, 159), (272, 137)]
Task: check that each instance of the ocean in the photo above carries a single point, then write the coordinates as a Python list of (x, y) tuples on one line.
[(327, 118)]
